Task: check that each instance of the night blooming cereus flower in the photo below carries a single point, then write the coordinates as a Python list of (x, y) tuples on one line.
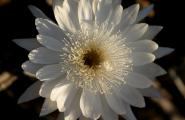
[(96, 62)]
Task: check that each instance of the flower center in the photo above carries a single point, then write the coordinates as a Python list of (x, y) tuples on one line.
[(92, 58)]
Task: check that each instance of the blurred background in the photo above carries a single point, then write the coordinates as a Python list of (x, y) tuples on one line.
[(16, 21)]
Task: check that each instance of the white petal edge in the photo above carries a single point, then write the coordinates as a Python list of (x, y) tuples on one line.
[(129, 115), (48, 107), (31, 93), (142, 58), (150, 92), (163, 51), (144, 46), (151, 32), (151, 70), (90, 105), (27, 43), (30, 67), (37, 12), (43, 55), (138, 81)]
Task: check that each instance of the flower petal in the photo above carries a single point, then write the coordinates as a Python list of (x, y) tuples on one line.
[(103, 10), (31, 67), (85, 10), (27, 43), (107, 112), (47, 86), (44, 56), (143, 13), (163, 51), (49, 72), (144, 46), (142, 58), (65, 97), (150, 92), (50, 43), (48, 28), (31, 93), (48, 107), (138, 81), (150, 70), (116, 103), (129, 115), (134, 32), (131, 96), (151, 32), (129, 16), (90, 105), (37, 12)]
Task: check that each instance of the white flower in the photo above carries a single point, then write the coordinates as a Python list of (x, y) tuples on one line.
[(96, 62)]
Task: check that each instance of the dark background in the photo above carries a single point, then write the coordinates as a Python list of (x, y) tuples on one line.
[(16, 21)]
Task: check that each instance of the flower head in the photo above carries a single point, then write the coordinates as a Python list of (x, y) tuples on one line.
[(96, 62)]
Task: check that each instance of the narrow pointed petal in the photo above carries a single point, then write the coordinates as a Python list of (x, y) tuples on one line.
[(151, 70), (142, 58), (144, 46), (31, 93), (138, 81), (49, 72), (85, 10), (143, 13), (134, 32), (107, 112), (48, 28), (43, 55), (115, 103), (129, 115), (37, 12), (90, 105), (151, 32), (27, 43), (48, 107), (150, 92), (131, 96), (163, 51), (116, 2), (31, 67), (50, 43)]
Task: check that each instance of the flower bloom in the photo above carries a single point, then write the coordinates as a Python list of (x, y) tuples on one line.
[(96, 62)]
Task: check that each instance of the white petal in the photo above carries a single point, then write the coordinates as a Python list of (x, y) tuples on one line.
[(31, 67), (74, 112), (142, 58), (129, 16), (129, 115), (50, 43), (47, 86), (48, 107), (131, 96), (144, 46), (152, 32), (134, 32), (138, 81), (49, 72), (90, 105), (143, 13), (116, 2), (48, 28), (37, 12), (107, 112), (85, 10), (31, 93), (150, 70), (65, 15), (66, 95), (28, 43), (95, 6), (44, 56), (103, 10), (150, 92), (163, 51), (116, 103)]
